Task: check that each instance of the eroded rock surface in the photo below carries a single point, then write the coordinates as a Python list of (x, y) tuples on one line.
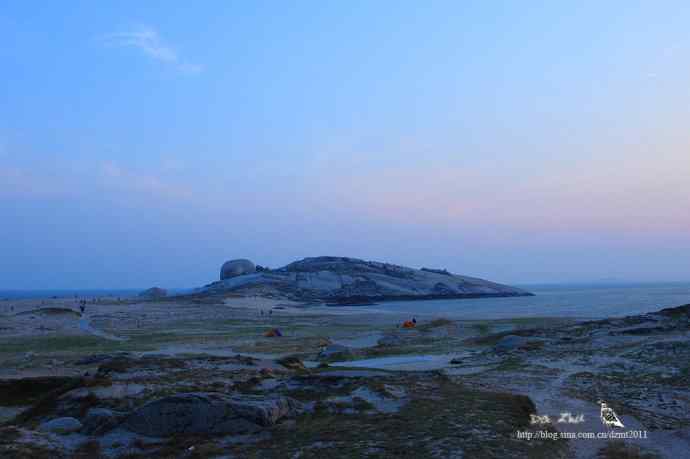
[(210, 413), (154, 293), (61, 425), (349, 280), (234, 268)]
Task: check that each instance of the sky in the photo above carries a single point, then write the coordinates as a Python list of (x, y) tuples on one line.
[(145, 143)]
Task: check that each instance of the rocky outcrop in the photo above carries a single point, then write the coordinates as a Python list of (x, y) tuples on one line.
[(99, 420), (677, 312), (97, 359), (234, 268), (341, 280), (210, 414), (390, 340), (511, 342), (335, 351), (154, 292), (61, 425)]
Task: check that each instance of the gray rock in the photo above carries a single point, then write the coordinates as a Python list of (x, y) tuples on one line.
[(154, 292), (390, 340), (234, 268), (210, 413), (95, 359), (71, 403), (100, 420), (340, 280), (334, 350), (291, 362), (510, 342), (354, 374), (61, 425)]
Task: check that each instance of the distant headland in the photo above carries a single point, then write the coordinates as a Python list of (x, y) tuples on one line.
[(343, 280)]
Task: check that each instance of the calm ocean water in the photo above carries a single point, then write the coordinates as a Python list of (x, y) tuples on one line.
[(83, 293), (577, 301)]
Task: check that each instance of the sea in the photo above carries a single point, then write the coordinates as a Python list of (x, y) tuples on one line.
[(583, 301), (76, 293)]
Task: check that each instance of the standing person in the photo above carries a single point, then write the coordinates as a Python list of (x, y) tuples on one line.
[(414, 320)]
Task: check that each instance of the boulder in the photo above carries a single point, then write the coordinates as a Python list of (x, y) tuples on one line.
[(61, 425), (334, 350), (390, 340), (210, 414), (97, 359), (72, 403), (234, 268), (154, 292), (291, 363), (100, 420)]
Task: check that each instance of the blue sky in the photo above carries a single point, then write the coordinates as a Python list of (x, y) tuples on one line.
[(145, 143)]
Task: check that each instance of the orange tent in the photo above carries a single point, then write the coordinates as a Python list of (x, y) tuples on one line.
[(272, 333), (408, 324)]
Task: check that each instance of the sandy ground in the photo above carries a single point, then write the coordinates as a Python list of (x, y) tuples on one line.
[(37, 333), (112, 319)]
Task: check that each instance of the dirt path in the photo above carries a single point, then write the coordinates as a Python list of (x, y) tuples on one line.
[(551, 399), (85, 325)]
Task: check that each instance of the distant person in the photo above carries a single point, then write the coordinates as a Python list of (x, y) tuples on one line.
[(82, 308), (414, 320)]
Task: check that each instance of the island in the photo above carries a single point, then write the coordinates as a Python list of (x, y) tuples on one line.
[(344, 280)]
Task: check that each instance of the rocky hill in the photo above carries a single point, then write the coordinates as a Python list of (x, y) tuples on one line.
[(344, 280), (154, 293)]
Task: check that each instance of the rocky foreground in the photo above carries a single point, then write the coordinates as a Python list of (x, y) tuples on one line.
[(473, 388), (350, 281)]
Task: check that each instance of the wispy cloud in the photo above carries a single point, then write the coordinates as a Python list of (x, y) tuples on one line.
[(147, 40), (17, 182), (110, 179), (117, 177)]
